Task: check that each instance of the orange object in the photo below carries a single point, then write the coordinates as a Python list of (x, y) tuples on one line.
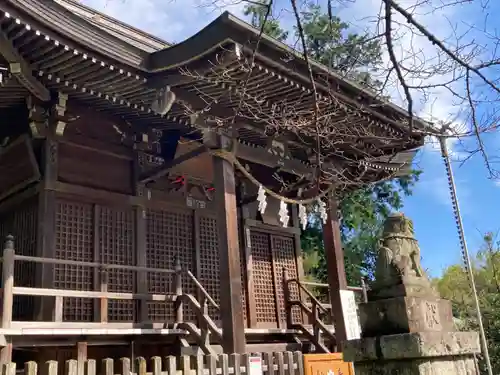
[(326, 364)]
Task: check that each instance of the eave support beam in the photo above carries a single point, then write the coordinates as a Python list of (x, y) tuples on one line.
[(262, 157), (20, 69), (163, 170)]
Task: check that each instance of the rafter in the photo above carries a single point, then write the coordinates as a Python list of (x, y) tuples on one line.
[(21, 70)]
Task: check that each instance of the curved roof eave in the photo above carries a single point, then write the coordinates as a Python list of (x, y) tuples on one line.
[(55, 20), (230, 29), (225, 30)]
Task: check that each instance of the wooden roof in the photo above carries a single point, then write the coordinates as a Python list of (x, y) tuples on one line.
[(118, 69), (138, 38)]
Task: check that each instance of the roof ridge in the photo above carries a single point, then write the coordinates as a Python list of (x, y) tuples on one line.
[(114, 26)]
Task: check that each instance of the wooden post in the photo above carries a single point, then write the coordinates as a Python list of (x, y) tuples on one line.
[(233, 325), (246, 253), (179, 316), (81, 356), (286, 299), (59, 309), (8, 282), (103, 302), (337, 281), (299, 257), (8, 296), (364, 290)]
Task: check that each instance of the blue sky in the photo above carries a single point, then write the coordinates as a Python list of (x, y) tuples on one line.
[(430, 205)]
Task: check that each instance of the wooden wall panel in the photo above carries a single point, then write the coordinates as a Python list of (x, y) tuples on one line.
[(18, 166), (200, 167), (91, 168), (92, 153), (74, 241)]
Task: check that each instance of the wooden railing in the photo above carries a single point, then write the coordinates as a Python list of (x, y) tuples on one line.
[(178, 298), (290, 363), (315, 310), (363, 289)]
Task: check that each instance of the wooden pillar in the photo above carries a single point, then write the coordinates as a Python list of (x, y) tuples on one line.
[(337, 281), (233, 329), (46, 231), (140, 241), (47, 224), (246, 252)]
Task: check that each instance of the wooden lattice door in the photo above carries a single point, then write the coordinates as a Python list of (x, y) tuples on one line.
[(270, 255)]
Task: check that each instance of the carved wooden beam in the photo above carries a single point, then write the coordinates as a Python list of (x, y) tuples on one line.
[(163, 170), (259, 155), (21, 70)]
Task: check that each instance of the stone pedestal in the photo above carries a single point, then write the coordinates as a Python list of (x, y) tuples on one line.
[(407, 329), (421, 353), (411, 336), (405, 315)]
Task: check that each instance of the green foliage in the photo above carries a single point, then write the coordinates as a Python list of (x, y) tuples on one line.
[(257, 14), (331, 43), (454, 285)]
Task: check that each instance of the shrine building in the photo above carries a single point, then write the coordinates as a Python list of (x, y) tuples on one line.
[(152, 195)]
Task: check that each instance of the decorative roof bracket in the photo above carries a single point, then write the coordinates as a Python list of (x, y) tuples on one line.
[(21, 70)]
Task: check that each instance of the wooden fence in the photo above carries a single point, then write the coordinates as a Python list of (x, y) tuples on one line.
[(281, 363)]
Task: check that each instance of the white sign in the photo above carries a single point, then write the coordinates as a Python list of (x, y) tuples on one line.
[(350, 312), (255, 367)]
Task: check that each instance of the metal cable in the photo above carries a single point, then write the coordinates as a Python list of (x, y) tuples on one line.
[(465, 251)]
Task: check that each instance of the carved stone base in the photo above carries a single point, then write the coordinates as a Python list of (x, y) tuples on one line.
[(408, 286), (405, 315), (421, 353)]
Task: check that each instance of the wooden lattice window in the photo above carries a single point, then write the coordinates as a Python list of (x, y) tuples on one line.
[(116, 241), (169, 236), (74, 241), (210, 261)]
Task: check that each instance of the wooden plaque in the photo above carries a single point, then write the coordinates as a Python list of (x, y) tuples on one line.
[(326, 364)]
